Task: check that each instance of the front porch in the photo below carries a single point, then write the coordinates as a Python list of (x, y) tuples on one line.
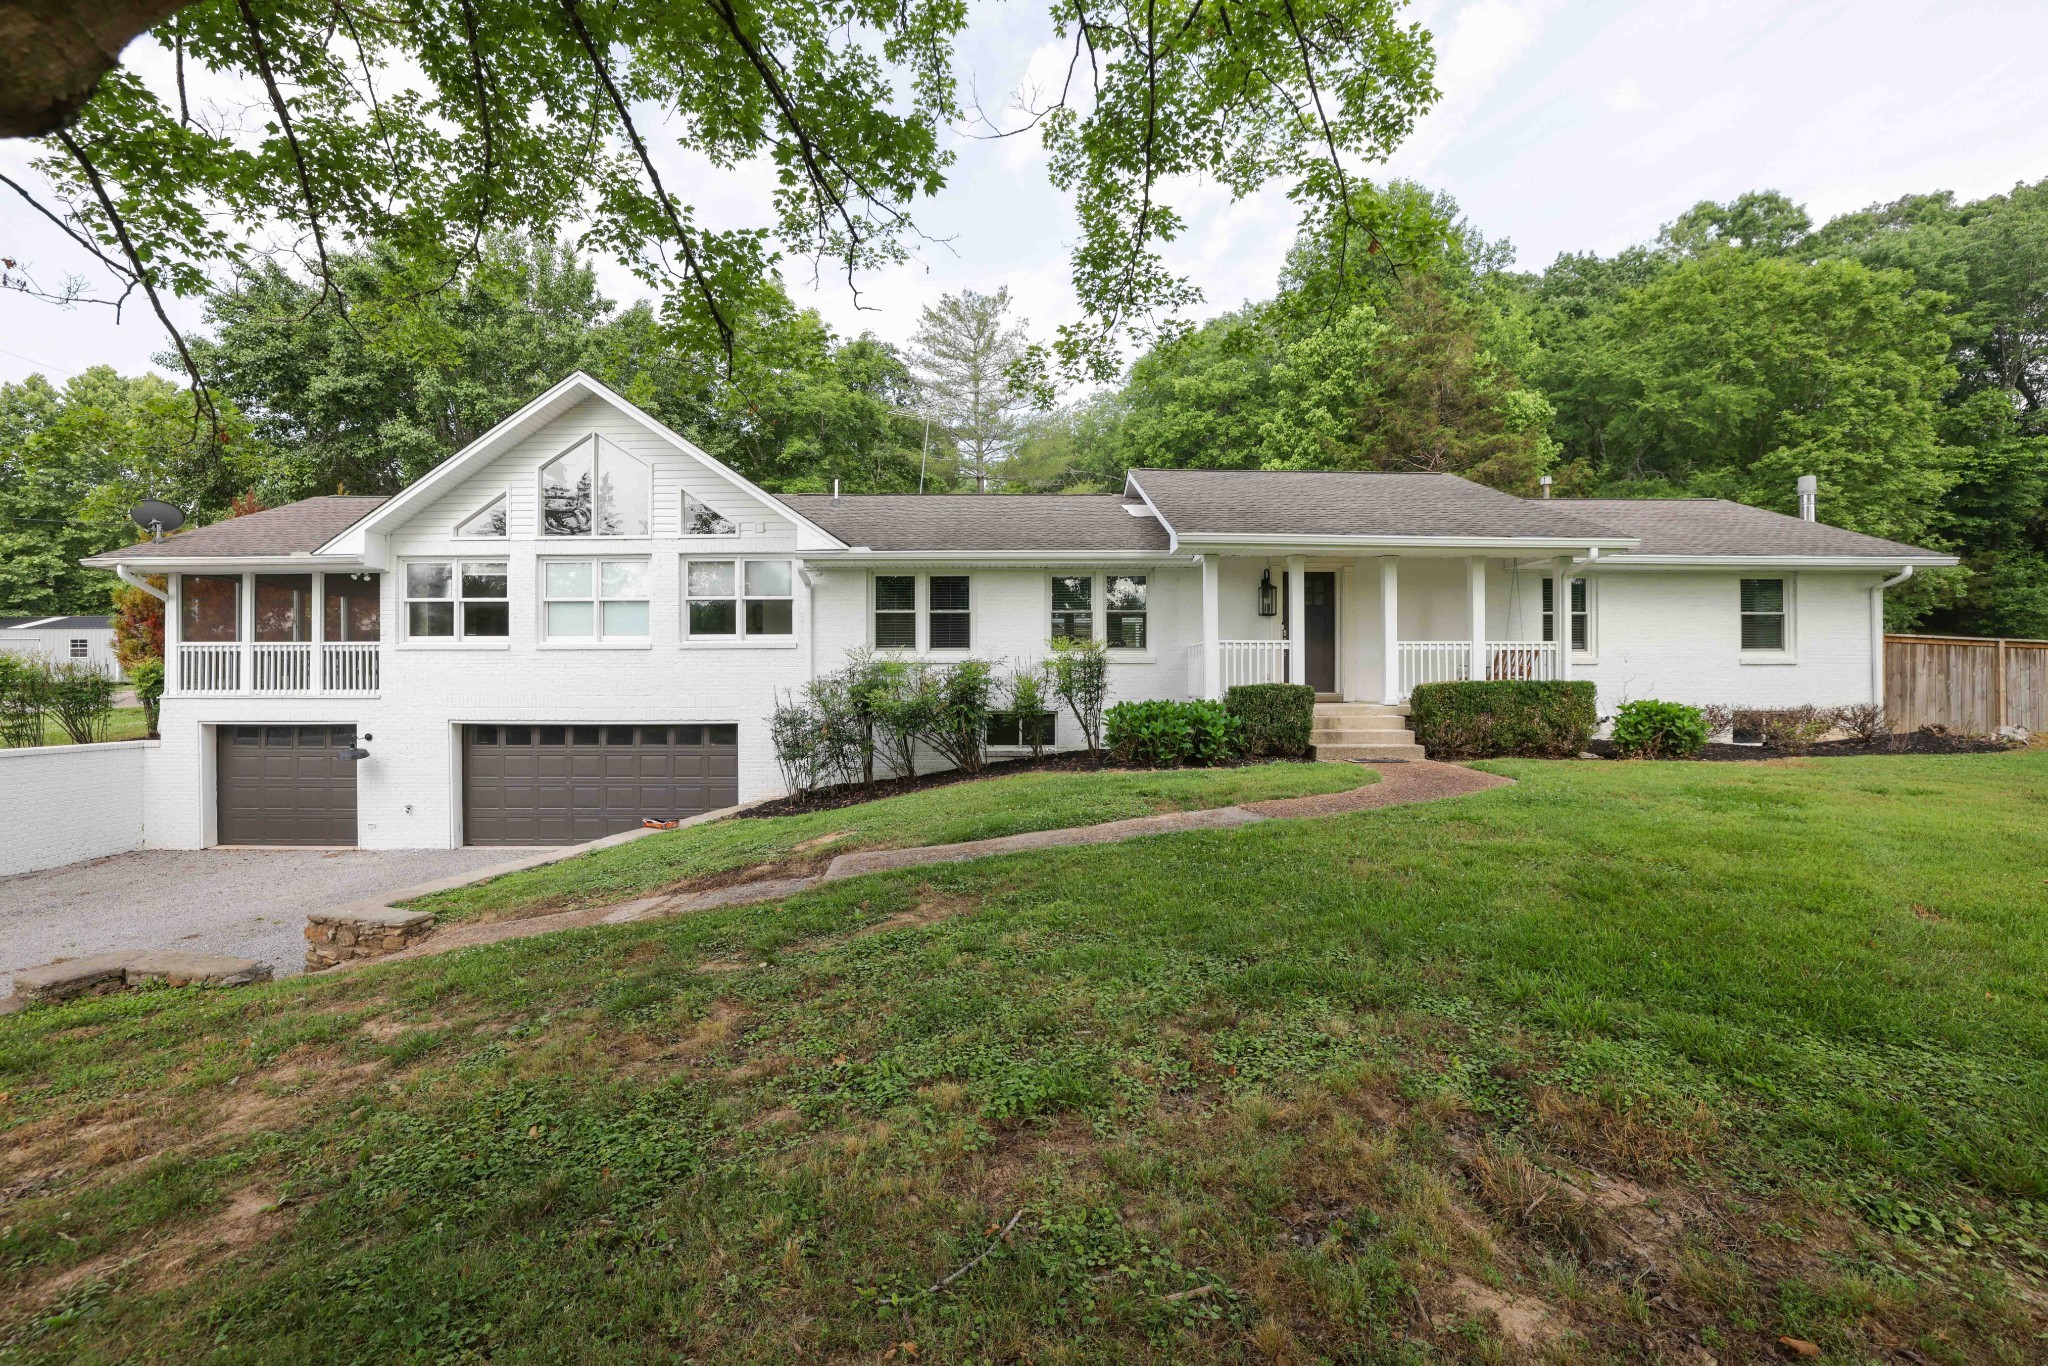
[(1373, 628)]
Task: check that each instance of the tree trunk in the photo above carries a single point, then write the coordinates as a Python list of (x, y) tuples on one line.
[(57, 52)]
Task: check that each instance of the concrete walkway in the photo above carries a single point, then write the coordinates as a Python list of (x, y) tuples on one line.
[(1400, 784)]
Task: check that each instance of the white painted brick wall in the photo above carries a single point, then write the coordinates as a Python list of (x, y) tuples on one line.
[(63, 803)]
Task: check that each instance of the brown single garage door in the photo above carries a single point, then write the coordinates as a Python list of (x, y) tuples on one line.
[(566, 784), (284, 785)]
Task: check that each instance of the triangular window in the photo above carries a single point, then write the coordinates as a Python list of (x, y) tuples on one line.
[(700, 519), (487, 521), (594, 489)]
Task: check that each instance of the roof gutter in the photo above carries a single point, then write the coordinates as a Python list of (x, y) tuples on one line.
[(134, 580), (1453, 544)]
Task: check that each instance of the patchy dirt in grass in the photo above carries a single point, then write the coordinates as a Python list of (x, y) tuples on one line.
[(932, 907), (1525, 1322), (249, 1217)]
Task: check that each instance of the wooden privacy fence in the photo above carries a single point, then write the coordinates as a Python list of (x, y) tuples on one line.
[(1967, 683)]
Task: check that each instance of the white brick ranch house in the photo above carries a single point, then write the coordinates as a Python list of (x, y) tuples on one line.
[(582, 619)]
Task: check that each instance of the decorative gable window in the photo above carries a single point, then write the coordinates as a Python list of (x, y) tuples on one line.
[(595, 489), (701, 519), (1763, 614), (487, 521)]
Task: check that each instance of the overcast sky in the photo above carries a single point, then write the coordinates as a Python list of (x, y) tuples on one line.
[(1563, 127)]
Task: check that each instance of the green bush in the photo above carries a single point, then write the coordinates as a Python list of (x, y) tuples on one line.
[(1078, 675), (23, 685), (1650, 729), (148, 680), (1278, 718), (1163, 734), (1541, 720)]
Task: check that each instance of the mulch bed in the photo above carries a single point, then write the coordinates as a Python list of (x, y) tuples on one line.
[(1916, 742), (852, 794)]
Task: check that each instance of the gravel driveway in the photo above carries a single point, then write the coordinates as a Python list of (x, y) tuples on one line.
[(248, 902)]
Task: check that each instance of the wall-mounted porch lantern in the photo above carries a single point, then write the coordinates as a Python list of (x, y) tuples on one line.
[(1269, 596)]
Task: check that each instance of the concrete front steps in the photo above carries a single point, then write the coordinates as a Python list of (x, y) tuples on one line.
[(1363, 730)]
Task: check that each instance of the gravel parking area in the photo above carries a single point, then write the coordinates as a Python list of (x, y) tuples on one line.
[(251, 903)]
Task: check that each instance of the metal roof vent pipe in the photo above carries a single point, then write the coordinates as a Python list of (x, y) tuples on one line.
[(1545, 481), (1809, 492), (835, 493)]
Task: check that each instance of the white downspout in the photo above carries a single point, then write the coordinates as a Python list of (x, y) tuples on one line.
[(133, 580), (1877, 632)]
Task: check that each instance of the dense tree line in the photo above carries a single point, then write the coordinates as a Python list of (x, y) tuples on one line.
[(1899, 353)]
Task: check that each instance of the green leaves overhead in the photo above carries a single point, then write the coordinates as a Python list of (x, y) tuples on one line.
[(317, 126)]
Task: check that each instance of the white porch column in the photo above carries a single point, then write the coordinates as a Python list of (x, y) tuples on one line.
[(1297, 627), (1561, 614), (1212, 628), (316, 679), (1475, 589), (1390, 630), (245, 630), (174, 606)]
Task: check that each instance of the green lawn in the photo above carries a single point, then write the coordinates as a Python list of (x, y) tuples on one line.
[(952, 814), (126, 723), (1658, 1058)]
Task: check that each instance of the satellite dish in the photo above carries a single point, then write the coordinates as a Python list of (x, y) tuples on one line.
[(156, 517)]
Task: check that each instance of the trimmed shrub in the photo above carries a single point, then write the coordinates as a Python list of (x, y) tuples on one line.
[(1078, 674), (1278, 718), (1163, 734), (1541, 720), (1026, 704), (1650, 729), (80, 698), (1789, 730), (148, 679), (963, 698), (22, 689)]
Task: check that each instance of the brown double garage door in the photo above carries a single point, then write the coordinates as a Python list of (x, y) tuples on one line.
[(525, 784)]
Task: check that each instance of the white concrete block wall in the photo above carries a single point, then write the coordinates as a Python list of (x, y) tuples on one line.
[(63, 803)]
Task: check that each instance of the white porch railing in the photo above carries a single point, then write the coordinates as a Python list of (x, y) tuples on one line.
[(350, 666), (282, 667), (209, 668), (1253, 661), (1450, 661)]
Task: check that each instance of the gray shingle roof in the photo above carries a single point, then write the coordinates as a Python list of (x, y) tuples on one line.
[(1351, 503), (294, 528), (1715, 526), (993, 522), (55, 623)]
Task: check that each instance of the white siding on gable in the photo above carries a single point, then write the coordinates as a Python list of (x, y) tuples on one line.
[(516, 474)]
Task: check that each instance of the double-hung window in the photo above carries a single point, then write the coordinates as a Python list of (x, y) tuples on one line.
[(1582, 619), (947, 612), (1763, 616), (594, 599), (456, 600), (1073, 607), (895, 611), (1123, 602), (739, 599)]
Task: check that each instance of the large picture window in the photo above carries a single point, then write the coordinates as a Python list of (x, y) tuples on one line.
[(456, 600), (594, 599), (209, 608), (1582, 619), (739, 599), (595, 489), (1763, 614)]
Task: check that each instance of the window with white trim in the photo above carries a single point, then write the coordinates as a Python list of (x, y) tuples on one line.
[(1763, 608), (947, 613), (1124, 609), (456, 600), (701, 519), (594, 599), (739, 599), (1073, 607), (487, 522), (1582, 616), (895, 611), (595, 489)]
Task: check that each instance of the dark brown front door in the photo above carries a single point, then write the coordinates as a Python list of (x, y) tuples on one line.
[(566, 784), (1319, 608), (284, 785)]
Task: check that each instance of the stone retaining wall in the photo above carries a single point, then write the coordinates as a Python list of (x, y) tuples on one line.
[(342, 936)]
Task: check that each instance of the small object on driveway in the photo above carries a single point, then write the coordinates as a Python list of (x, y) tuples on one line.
[(652, 824)]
